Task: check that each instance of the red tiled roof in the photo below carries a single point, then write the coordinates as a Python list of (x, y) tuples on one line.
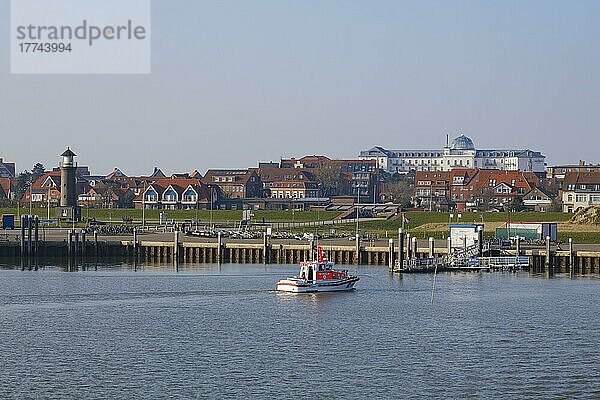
[(55, 175), (4, 187), (271, 174), (180, 185), (239, 175), (586, 178)]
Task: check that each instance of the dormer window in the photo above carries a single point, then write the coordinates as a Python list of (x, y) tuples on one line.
[(170, 195), (189, 196), (151, 196)]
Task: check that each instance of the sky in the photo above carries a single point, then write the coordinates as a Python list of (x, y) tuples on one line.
[(238, 82)]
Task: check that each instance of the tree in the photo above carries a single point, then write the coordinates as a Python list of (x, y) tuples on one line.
[(328, 178), (401, 192), (22, 182), (26, 178), (126, 199), (517, 203), (37, 171)]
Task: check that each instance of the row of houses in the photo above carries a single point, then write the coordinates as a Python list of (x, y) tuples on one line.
[(287, 181), (465, 189), (487, 189), (568, 188)]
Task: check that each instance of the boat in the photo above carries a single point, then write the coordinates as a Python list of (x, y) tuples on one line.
[(318, 276)]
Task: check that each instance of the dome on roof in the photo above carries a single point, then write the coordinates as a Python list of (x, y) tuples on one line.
[(463, 143)]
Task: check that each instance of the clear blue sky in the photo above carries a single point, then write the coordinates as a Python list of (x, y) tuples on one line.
[(236, 82)]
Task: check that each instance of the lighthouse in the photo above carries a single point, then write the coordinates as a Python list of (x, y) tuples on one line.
[(68, 187), (68, 191)]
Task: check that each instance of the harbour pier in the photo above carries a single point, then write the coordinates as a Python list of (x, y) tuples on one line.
[(403, 254)]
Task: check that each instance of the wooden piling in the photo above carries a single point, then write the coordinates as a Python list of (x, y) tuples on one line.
[(176, 246), (22, 235), (69, 242), (431, 247), (29, 234), (265, 246), (400, 248), (548, 257), (219, 248), (391, 254), (83, 242), (571, 266), (37, 235), (96, 242)]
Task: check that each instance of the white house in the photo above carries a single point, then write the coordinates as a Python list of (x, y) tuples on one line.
[(461, 154)]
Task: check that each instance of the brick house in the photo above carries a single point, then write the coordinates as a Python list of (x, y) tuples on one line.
[(293, 190), (235, 183), (290, 183), (465, 189), (580, 190), (538, 200), (432, 190), (559, 172), (484, 189), (45, 187), (354, 175)]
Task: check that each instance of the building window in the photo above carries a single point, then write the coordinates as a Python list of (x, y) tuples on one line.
[(151, 196), (189, 196)]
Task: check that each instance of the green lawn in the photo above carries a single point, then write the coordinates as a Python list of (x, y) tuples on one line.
[(416, 218), (378, 228), (117, 215), (579, 237), (422, 218)]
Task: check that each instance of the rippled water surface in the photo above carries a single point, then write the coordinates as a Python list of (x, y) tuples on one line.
[(222, 332)]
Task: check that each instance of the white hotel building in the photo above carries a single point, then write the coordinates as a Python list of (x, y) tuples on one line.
[(461, 154)]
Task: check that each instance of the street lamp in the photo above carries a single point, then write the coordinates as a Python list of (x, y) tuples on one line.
[(357, 207), (211, 205), (144, 205), (30, 196), (48, 205), (197, 201), (430, 194)]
